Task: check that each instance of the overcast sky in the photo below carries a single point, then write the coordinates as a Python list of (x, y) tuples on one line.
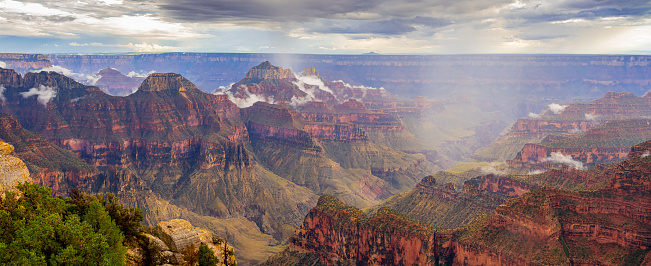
[(327, 26)]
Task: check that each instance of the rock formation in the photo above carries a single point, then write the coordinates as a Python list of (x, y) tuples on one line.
[(49, 165), (442, 206), (25, 62), (12, 170), (573, 119), (609, 142), (336, 234), (178, 235), (175, 237), (605, 226)]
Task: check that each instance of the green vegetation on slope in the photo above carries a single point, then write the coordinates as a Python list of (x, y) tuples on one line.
[(82, 230)]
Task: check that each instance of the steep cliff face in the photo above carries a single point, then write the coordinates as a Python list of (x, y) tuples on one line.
[(9, 78), (49, 165), (167, 118), (341, 235), (267, 71)]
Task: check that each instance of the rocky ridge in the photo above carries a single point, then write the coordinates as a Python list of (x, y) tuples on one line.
[(609, 142), (336, 234), (572, 119), (542, 226), (25, 62)]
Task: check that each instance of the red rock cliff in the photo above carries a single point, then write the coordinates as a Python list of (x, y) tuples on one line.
[(339, 234)]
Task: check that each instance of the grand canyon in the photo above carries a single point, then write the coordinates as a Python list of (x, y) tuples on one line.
[(311, 169)]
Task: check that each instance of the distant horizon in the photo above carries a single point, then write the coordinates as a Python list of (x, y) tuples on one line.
[(342, 54)]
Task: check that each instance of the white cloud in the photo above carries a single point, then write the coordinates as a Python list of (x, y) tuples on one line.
[(310, 80), (111, 2), (575, 130), (557, 108), (2, 93), (31, 9), (140, 75), (89, 79), (93, 79), (302, 83), (491, 170), (3, 64), (44, 94), (591, 117), (533, 115), (247, 98), (364, 89), (557, 157), (535, 172), (77, 99)]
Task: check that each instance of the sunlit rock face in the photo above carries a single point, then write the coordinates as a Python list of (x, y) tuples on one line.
[(49, 165), (176, 237), (336, 234), (12, 170)]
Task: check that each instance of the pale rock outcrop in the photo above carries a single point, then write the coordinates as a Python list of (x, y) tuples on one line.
[(12, 170), (179, 234), (175, 236)]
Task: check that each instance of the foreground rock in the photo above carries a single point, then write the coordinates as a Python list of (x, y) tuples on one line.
[(12, 170), (176, 239)]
